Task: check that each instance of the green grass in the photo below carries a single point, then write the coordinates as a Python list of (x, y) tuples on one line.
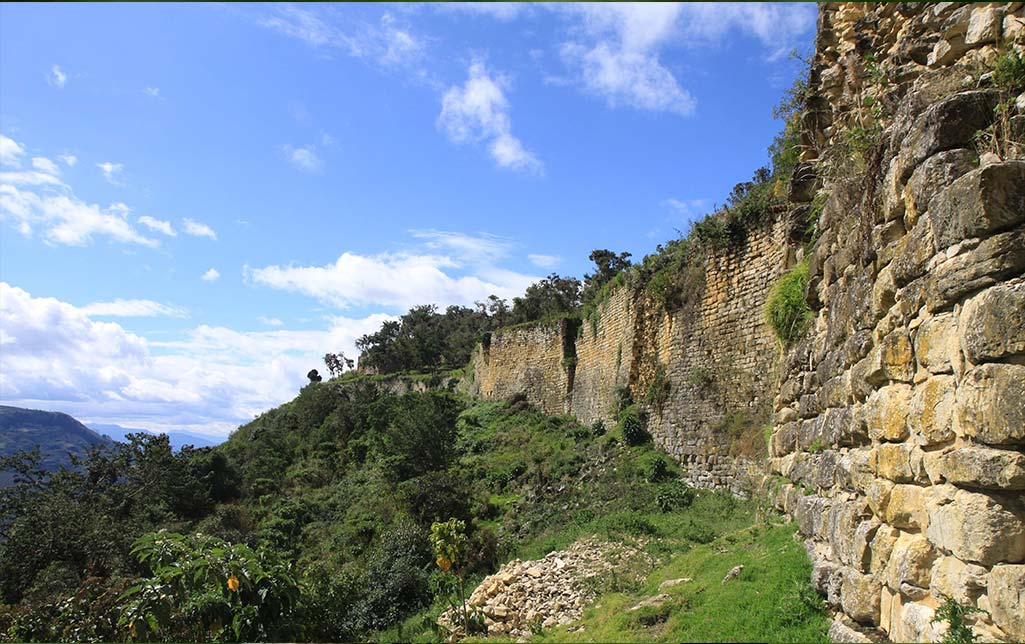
[(771, 600)]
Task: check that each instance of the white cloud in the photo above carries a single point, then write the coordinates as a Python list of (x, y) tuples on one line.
[(479, 248), (478, 112), (152, 92), (69, 159), (544, 261), (10, 152), (688, 208), (304, 158), (328, 29), (212, 275), (57, 77), (210, 379), (270, 321), (45, 165), (64, 219), (398, 280), (198, 229), (133, 308), (111, 172), (504, 11), (158, 225)]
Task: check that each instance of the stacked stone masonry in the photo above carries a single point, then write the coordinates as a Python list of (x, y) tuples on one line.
[(899, 424)]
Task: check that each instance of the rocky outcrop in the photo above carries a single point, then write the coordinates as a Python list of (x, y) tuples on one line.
[(524, 597)]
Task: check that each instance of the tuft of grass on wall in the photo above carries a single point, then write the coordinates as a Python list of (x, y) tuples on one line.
[(786, 309)]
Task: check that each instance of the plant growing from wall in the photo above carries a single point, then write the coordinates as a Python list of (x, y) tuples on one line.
[(659, 389), (632, 426), (1006, 136), (786, 308), (700, 378), (953, 613)]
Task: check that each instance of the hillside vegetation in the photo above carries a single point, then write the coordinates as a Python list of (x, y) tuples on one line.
[(312, 521), (56, 435)]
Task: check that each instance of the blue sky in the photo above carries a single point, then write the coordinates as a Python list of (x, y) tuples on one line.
[(198, 201)]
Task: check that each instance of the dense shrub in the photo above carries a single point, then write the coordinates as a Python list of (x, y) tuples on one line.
[(786, 308), (632, 426), (673, 496)]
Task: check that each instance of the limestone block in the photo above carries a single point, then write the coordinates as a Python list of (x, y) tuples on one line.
[(1007, 599), (984, 26), (931, 413), (912, 254), (937, 345), (980, 203), (900, 463), (878, 496), (934, 174), (860, 597), (947, 124), (954, 578), (882, 547), (991, 404), (914, 624), (841, 427), (992, 261), (981, 467), (906, 507), (844, 519), (1014, 27), (784, 439), (810, 514), (947, 51), (854, 469), (979, 528), (910, 561), (993, 323), (843, 633), (886, 413)]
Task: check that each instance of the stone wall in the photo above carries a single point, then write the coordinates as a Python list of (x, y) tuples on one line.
[(716, 355), (899, 424)]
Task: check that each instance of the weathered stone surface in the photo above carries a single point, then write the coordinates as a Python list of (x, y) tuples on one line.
[(899, 462), (913, 623), (934, 174), (984, 26), (993, 323), (937, 345), (912, 254), (948, 124), (982, 202), (906, 507), (954, 578), (1007, 599), (844, 633), (882, 547), (931, 413), (978, 528), (947, 51), (981, 467), (844, 519), (995, 259), (991, 404), (887, 412), (859, 597), (910, 561), (810, 514), (878, 496)]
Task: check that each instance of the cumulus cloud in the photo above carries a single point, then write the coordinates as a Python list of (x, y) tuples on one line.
[(133, 308), (69, 159), (210, 379), (304, 158), (57, 77), (477, 111), (158, 225), (152, 92), (111, 172), (10, 152), (212, 275), (270, 321), (198, 229), (544, 261)]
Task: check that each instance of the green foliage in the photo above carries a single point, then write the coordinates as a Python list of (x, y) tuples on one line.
[(816, 446), (700, 377), (656, 469), (553, 297), (659, 389), (953, 613), (598, 285), (674, 496), (631, 425), (786, 309), (201, 588), (1009, 72)]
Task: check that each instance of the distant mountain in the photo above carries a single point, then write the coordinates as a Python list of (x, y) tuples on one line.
[(178, 438), (55, 433)]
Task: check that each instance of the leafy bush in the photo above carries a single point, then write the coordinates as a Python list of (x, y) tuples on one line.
[(632, 427), (598, 428), (203, 588), (659, 389), (953, 613), (1009, 72), (786, 309), (656, 469), (673, 496)]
